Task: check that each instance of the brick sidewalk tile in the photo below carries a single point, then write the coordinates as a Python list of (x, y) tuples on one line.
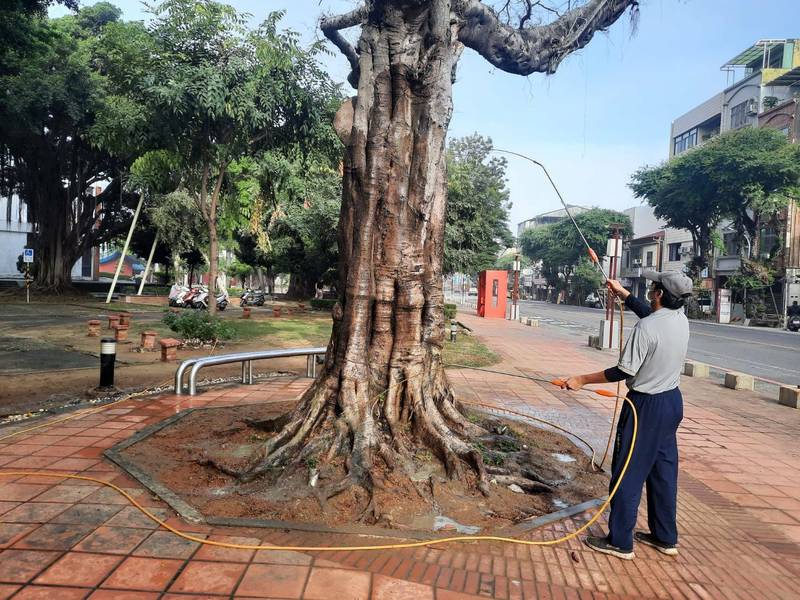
[(738, 506)]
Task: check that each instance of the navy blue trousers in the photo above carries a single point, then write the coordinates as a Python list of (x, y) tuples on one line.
[(654, 462)]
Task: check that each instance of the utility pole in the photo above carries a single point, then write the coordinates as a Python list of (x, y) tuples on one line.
[(515, 291), (616, 229), (607, 333)]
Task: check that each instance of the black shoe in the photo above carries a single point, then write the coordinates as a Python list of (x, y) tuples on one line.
[(650, 540), (601, 544)]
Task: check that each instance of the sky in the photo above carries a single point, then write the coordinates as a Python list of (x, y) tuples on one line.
[(606, 111)]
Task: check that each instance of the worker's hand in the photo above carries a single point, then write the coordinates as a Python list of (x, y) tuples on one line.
[(571, 383), (617, 288)]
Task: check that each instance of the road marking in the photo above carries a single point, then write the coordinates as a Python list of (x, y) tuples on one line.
[(725, 337)]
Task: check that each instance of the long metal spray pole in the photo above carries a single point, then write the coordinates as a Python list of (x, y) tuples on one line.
[(592, 253)]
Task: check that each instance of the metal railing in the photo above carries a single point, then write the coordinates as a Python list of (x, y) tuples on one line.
[(246, 358)]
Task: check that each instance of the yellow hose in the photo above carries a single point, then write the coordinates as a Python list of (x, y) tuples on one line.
[(405, 545), (420, 544)]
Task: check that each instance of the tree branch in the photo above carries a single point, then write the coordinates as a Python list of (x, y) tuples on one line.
[(331, 27), (535, 49)]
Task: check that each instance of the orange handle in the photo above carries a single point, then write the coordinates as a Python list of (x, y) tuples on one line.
[(593, 256), (558, 382), (606, 393)]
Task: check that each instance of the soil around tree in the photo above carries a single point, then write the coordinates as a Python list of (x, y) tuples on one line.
[(559, 475)]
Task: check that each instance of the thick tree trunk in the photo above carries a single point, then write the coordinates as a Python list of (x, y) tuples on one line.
[(300, 287), (383, 391), (54, 269)]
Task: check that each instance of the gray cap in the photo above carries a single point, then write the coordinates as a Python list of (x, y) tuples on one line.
[(674, 282)]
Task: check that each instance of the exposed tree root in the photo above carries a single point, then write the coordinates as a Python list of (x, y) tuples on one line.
[(326, 429)]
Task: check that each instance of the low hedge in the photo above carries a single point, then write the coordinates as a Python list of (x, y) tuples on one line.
[(323, 303), (450, 311), (198, 325)]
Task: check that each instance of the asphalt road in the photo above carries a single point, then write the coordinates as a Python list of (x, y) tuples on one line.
[(768, 353)]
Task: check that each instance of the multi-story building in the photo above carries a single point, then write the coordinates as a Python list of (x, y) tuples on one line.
[(534, 285), (763, 90), (654, 246), (548, 218), (760, 79)]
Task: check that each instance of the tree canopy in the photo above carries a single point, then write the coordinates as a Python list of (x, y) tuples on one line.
[(52, 99), (478, 202), (209, 96), (562, 252), (745, 176)]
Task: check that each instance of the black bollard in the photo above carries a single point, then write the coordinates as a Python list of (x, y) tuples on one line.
[(108, 355)]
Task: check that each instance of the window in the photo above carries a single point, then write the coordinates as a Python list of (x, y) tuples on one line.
[(732, 243), (675, 252), (739, 115), (769, 242), (86, 264), (649, 259), (685, 141), (635, 257)]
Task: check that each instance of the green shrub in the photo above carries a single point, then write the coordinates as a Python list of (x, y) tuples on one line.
[(449, 311), (323, 303), (198, 325)]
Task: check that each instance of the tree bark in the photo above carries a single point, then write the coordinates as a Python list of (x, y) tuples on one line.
[(383, 390), (300, 287)]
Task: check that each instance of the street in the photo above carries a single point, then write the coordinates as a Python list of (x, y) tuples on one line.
[(768, 353)]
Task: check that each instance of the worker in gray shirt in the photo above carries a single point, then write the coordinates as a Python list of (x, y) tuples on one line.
[(651, 364)]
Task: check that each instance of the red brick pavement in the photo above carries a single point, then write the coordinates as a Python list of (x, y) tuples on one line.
[(738, 508)]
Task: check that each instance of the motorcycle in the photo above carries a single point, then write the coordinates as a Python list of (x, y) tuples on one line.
[(176, 294), (200, 301), (793, 324), (222, 300), (252, 297)]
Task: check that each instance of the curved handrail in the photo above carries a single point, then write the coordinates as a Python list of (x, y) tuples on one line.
[(195, 364)]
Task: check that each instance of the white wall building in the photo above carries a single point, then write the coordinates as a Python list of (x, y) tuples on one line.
[(14, 229)]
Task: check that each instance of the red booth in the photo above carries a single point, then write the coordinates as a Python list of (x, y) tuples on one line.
[(492, 293)]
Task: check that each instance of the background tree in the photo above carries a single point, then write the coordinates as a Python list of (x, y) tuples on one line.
[(563, 254), (259, 262), (51, 100), (181, 228), (476, 228), (21, 28), (744, 175), (304, 237), (383, 391), (214, 92)]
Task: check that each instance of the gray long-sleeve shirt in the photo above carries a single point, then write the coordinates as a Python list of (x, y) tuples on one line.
[(655, 351)]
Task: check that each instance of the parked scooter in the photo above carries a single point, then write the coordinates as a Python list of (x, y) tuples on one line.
[(222, 300), (200, 301), (793, 324), (252, 297), (176, 294)]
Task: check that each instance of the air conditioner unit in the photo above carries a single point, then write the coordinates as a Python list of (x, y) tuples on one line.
[(752, 106), (685, 251)]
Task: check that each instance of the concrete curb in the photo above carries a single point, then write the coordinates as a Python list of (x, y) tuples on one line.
[(734, 380)]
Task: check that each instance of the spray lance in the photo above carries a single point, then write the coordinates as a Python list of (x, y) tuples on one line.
[(592, 254), (596, 262)]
